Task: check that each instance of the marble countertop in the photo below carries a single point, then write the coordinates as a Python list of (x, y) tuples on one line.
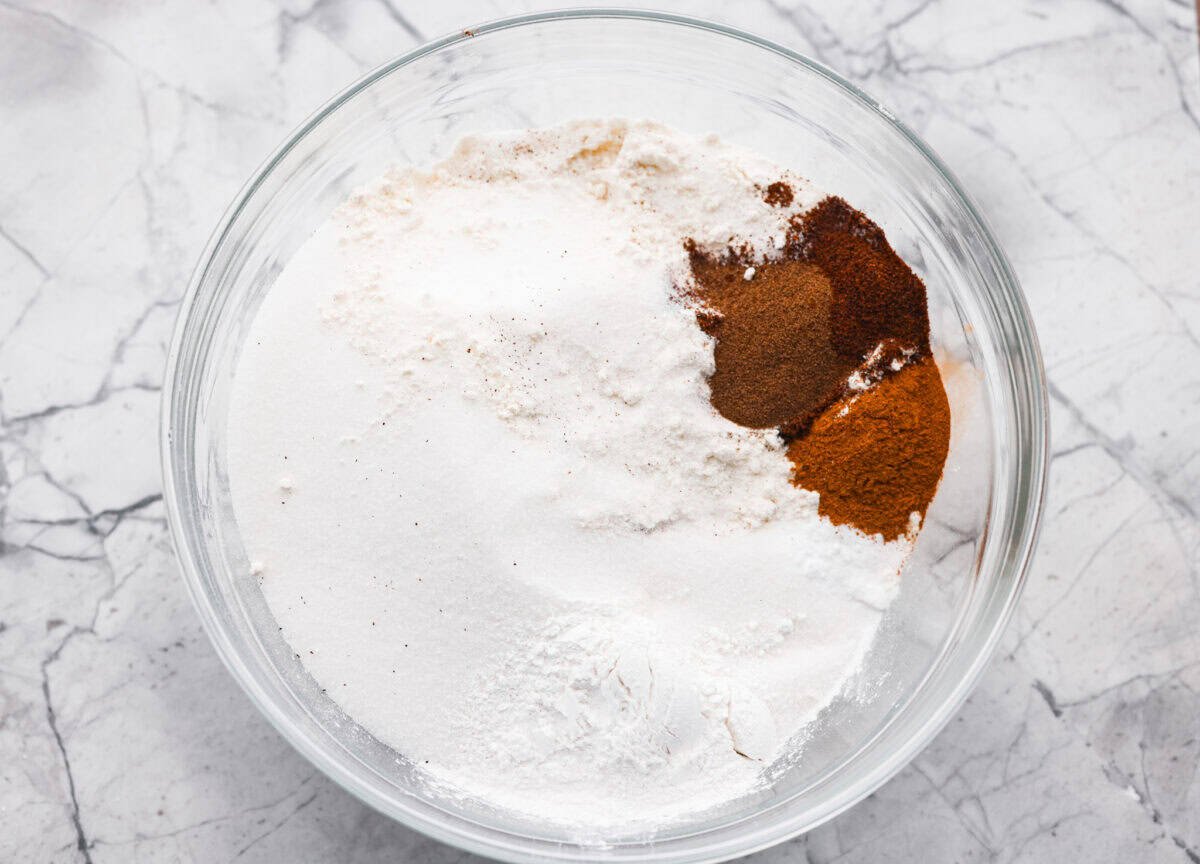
[(125, 132)]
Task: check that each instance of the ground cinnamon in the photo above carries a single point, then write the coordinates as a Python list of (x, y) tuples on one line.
[(792, 332), (877, 457)]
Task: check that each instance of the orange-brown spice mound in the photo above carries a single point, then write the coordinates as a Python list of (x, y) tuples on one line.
[(880, 460)]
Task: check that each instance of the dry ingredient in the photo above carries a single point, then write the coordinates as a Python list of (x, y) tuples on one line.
[(778, 194), (876, 457), (474, 461), (773, 355), (801, 334), (876, 297)]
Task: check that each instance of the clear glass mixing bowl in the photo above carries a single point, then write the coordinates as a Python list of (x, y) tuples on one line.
[(966, 573)]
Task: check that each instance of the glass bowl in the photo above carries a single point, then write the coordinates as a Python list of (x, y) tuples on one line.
[(962, 580)]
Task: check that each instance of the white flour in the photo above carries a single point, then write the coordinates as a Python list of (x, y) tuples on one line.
[(474, 462)]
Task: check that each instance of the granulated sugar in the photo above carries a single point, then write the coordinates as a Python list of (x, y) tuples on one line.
[(473, 458)]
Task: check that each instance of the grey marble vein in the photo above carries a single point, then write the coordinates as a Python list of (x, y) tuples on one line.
[(127, 130)]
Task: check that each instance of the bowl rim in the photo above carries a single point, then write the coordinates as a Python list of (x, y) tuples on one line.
[(461, 832)]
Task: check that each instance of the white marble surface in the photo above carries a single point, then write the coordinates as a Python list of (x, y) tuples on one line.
[(125, 129)]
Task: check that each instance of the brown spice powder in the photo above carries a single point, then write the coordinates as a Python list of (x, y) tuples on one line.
[(880, 460), (838, 299), (774, 360), (778, 194), (876, 297)]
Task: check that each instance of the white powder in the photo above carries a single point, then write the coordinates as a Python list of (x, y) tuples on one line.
[(474, 463)]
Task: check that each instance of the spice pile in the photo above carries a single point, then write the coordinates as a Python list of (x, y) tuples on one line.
[(828, 342), (531, 465)]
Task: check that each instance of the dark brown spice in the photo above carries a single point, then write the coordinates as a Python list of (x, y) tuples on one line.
[(778, 194), (875, 295)]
